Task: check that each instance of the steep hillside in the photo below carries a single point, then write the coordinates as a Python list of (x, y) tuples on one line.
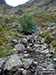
[(44, 12), (43, 5), (9, 28)]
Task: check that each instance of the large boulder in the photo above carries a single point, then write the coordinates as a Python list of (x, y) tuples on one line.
[(20, 47), (12, 62)]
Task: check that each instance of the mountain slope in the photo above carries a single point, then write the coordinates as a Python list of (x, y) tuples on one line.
[(2, 1), (44, 12), (43, 5)]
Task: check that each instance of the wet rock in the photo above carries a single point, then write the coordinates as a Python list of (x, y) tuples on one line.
[(12, 62), (20, 47)]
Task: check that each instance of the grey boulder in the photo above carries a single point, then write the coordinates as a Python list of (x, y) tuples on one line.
[(20, 47)]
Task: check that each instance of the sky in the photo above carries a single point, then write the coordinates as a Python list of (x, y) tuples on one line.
[(14, 3)]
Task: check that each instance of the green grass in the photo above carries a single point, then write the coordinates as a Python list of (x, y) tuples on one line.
[(43, 17), (6, 52), (4, 33)]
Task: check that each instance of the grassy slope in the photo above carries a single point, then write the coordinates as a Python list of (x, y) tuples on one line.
[(5, 32), (44, 13)]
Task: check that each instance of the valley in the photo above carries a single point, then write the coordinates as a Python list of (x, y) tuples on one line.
[(24, 51)]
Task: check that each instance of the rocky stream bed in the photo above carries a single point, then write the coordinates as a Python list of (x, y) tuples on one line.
[(32, 56)]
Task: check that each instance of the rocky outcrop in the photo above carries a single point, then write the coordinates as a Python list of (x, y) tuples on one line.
[(2, 1)]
